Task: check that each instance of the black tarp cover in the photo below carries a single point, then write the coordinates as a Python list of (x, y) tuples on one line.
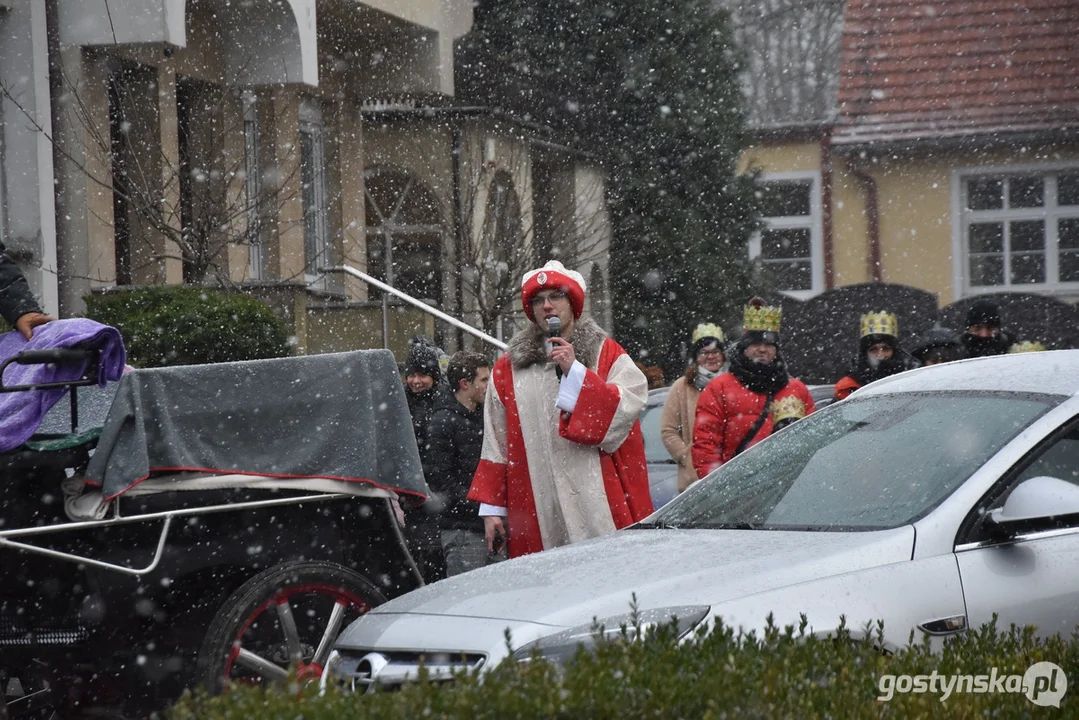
[(341, 416)]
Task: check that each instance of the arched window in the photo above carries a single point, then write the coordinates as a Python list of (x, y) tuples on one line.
[(403, 225)]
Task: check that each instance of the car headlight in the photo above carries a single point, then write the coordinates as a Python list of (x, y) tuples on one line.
[(561, 646)]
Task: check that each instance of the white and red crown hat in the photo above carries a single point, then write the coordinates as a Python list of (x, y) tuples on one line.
[(553, 276)]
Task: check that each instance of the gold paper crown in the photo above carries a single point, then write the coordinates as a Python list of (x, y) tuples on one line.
[(880, 323), (788, 408), (705, 330), (1027, 346), (762, 318)]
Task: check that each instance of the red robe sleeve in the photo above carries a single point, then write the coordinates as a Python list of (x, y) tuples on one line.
[(490, 480), (595, 411)]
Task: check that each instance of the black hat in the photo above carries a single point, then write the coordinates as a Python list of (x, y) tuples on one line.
[(937, 338), (423, 358), (983, 312)]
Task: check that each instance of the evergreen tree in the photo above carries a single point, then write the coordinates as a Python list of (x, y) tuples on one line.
[(652, 89)]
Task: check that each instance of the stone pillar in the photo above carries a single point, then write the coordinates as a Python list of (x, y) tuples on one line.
[(86, 255), (169, 267), (353, 206), (289, 258)]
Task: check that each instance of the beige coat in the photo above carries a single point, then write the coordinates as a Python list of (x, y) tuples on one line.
[(676, 428)]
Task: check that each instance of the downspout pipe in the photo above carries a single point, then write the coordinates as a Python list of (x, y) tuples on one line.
[(458, 222), (826, 207), (872, 211)]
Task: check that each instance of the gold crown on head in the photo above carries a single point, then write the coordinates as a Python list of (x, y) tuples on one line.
[(788, 408), (880, 323), (707, 330), (1027, 346), (761, 317)]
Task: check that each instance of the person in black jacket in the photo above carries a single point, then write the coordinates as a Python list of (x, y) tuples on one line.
[(17, 303), (454, 440), (984, 336), (423, 371)]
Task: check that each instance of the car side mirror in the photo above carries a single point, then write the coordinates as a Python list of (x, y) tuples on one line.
[(1040, 503)]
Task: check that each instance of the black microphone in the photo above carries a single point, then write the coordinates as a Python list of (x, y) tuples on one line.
[(554, 329)]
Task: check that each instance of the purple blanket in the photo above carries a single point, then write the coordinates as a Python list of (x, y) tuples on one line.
[(21, 412)]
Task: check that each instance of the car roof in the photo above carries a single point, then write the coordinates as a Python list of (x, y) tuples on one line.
[(1055, 372)]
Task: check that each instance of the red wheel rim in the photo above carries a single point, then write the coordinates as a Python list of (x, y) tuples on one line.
[(305, 669)]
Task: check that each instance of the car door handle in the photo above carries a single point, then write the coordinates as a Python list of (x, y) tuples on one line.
[(944, 626)]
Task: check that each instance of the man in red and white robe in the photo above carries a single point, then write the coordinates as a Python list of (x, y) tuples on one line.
[(563, 455)]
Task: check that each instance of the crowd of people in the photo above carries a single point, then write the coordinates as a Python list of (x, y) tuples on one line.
[(543, 447), (711, 416)]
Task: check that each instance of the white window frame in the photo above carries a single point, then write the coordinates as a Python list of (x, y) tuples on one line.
[(1049, 212), (256, 266), (317, 244), (814, 222)]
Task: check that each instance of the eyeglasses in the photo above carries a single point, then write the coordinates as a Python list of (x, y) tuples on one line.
[(710, 352), (554, 296)]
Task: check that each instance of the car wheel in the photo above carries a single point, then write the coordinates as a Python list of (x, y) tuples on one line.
[(287, 617)]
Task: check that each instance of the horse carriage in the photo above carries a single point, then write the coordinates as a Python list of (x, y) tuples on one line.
[(212, 523)]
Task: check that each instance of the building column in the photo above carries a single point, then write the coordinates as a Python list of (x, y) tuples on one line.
[(85, 238), (353, 205), (170, 267), (28, 213)]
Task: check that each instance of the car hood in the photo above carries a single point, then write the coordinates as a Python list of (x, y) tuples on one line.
[(599, 578)]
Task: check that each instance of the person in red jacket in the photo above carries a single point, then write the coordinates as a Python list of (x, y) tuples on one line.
[(735, 409)]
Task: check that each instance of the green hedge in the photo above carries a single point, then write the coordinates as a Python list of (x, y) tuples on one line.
[(784, 674), (178, 325)]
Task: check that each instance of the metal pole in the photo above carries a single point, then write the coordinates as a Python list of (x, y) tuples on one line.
[(387, 262), (385, 321), (418, 303)]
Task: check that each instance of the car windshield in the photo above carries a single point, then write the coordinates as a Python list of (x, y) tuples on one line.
[(871, 463), (654, 452)]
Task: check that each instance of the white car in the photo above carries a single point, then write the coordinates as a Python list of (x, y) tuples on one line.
[(929, 500)]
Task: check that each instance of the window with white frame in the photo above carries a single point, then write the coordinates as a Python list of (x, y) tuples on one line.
[(1020, 229), (316, 230), (253, 187), (789, 246)]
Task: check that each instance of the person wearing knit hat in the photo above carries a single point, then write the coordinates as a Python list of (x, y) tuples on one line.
[(422, 373), (938, 345), (734, 410), (984, 336), (879, 354), (563, 455), (680, 410)]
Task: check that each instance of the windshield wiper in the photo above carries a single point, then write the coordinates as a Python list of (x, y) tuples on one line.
[(732, 526), (661, 525)]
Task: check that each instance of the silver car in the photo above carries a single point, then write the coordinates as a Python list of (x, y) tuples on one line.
[(662, 469), (929, 500)]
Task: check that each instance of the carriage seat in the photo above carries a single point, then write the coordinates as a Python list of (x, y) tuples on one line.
[(52, 451)]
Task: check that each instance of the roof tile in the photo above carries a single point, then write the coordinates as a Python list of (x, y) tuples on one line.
[(943, 68)]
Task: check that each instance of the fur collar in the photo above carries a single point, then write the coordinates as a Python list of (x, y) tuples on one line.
[(528, 346)]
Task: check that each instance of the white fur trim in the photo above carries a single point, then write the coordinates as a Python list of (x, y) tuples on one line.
[(558, 267)]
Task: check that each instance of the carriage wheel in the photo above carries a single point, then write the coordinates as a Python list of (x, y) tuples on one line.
[(286, 617)]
